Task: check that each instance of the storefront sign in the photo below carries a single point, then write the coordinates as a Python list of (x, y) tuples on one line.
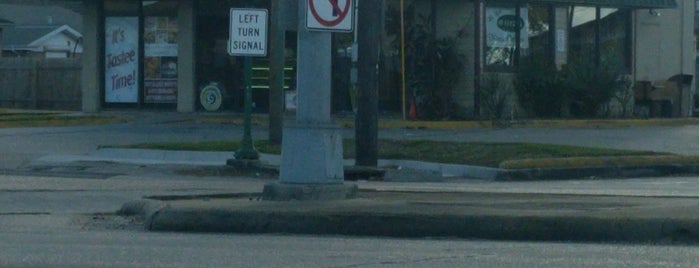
[(121, 58), (510, 23), (160, 70), (502, 25), (248, 32)]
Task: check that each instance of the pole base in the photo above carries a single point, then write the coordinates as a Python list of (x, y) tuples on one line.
[(312, 154), (247, 154), (308, 192)]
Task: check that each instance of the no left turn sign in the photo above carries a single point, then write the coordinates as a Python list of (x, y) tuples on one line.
[(330, 15)]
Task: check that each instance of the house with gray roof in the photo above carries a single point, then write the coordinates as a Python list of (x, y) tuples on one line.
[(50, 41), (46, 31)]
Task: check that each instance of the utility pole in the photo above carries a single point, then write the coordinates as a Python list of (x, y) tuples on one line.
[(366, 121), (277, 39), (312, 166)]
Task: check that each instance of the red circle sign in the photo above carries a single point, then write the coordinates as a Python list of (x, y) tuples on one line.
[(341, 13)]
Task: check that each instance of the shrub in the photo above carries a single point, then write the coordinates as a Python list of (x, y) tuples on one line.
[(539, 88), (582, 85), (494, 95), (590, 85)]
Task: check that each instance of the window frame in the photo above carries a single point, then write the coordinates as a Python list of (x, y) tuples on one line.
[(627, 43)]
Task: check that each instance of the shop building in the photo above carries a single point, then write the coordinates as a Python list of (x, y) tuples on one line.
[(159, 53), (649, 41)]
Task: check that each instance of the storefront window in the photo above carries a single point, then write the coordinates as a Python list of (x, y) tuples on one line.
[(615, 40), (160, 32), (600, 36), (121, 52), (140, 50), (504, 25), (121, 58), (539, 33), (582, 32), (501, 26)]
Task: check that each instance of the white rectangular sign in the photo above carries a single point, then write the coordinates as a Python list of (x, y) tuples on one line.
[(121, 58), (248, 32), (330, 15)]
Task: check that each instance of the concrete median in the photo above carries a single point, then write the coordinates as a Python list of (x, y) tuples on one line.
[(539, 217)]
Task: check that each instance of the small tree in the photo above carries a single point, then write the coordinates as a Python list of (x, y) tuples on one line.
[(494, 95), (625, 96)]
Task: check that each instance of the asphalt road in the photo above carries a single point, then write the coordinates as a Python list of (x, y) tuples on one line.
[(137, 249), (60, 222), (67, 222)]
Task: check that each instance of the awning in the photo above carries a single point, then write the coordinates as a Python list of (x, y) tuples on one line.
[(618, 3)]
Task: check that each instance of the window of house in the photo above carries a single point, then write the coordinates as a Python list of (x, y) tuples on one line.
[(600, 36), (505, 24)]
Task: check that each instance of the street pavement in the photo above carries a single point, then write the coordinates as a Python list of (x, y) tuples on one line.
[(660, 209)]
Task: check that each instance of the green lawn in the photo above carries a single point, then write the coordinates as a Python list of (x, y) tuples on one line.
[(8, 120), (385, 123), (467, 153)]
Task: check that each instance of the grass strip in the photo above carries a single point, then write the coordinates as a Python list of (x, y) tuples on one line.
[(466, 153), (615, 161), (9, 120), (389, 123)]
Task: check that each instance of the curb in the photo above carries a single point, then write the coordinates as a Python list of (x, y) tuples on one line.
[(534, 228), (636, 171), (387, 167), (145, 209)]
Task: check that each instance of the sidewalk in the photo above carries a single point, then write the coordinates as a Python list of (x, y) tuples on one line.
[(395, 169)]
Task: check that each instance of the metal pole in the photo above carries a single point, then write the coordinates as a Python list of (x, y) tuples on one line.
[(276, 72), (477, 57), (355, 55), (402, 55), (247, 148), (366, 120)]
